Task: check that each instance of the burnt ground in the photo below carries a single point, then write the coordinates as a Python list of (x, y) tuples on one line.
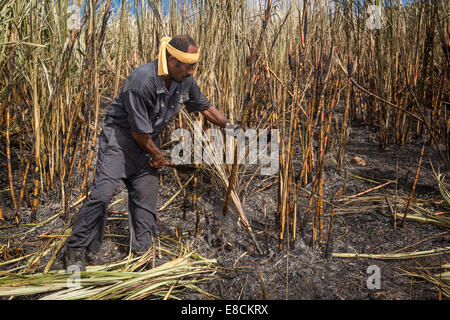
[(300, 272)]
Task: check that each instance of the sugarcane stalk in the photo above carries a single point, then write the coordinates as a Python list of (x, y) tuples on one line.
[(394, 256), (119, 50), (344, 131), (252, 80), (37, 129), (96, 98), (8, 119), (413, 187), (197, 212)]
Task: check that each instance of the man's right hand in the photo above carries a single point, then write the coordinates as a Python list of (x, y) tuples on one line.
[(145, 142), (158, 161)]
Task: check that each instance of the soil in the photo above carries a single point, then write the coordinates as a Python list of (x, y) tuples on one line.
[(300, 271)]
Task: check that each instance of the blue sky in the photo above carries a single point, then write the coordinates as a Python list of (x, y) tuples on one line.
[(115, 4)]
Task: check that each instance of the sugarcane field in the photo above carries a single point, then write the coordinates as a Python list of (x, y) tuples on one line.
[(224, 150)]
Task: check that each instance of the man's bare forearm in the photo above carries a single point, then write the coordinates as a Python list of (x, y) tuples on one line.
[(145, 142), (215, 116)]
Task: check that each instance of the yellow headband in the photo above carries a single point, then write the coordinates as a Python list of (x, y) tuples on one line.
[(184, 57)]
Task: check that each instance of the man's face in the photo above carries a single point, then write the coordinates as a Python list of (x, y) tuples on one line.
[(180, 71)]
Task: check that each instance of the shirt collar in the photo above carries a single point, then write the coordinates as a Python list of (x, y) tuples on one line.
[(160, 86)]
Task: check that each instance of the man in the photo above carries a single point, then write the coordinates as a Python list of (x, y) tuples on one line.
[(129, 146)]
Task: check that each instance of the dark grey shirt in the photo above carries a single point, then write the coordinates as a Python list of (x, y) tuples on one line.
[(144, 104)]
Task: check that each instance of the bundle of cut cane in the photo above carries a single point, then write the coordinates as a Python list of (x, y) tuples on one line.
[(128, 279)]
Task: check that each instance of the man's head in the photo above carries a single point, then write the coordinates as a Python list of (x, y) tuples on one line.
[(178, 70)]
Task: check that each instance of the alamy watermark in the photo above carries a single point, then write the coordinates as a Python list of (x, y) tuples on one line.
[(375, 19), (374, 280), (74, 19), (252, 147), (73, 281)]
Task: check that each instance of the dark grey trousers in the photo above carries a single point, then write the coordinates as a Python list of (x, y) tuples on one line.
[(119, 160)]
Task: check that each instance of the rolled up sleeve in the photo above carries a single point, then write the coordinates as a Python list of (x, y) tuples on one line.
[(197, 100), (138, 111)]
